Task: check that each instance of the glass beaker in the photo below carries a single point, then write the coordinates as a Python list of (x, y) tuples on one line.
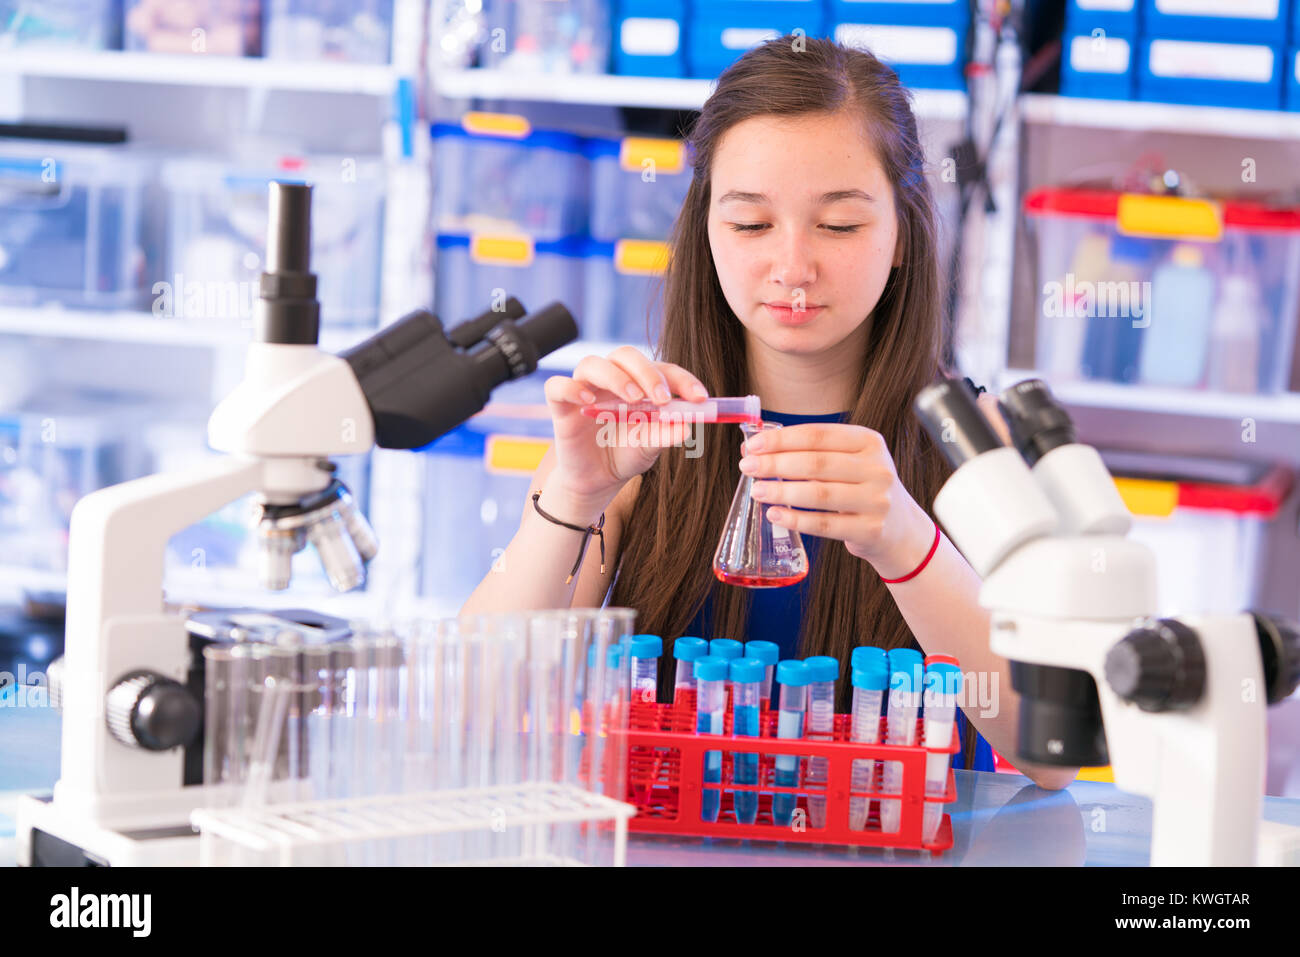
[(752, 551)]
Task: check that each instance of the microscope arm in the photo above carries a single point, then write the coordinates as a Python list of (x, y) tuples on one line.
[(116, 623)]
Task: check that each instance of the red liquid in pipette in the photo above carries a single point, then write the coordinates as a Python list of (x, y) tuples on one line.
[(638, 415), (756, 581)]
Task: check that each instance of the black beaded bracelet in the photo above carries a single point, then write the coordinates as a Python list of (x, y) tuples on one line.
[(588, 531)]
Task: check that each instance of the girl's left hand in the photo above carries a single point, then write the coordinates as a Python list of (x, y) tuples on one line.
[(847, 472)]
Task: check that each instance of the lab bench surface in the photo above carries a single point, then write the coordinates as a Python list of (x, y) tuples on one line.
[(997, 819)]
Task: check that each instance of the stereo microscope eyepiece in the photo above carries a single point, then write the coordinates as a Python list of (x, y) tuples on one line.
[(1037, 421), (953, 418)]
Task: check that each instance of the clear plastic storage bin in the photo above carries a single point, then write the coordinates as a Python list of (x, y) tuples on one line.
[(217, 219), (638, 186), (548, 36), (212, 27), (52, 452), (477, 272), (354, 31), (72, 225), (623, 298), (83, 24), (495, 173), (476, 483), (1209, 539), (1164, 291)]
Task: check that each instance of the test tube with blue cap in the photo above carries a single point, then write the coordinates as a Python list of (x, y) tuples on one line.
[(870, 679), (822, 670), (726, 648), (793, 678), (643, 653), (711, 691), (942, 686), (687, 651), (900, 726), (746, 675), (768, 652)]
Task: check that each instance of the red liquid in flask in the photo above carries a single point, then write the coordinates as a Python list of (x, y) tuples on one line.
[(759, 581)]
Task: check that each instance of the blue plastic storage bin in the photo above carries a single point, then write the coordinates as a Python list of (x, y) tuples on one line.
[(476, 487), (495, 173), (1100, 67), (1245, 21), (910, 12), (638, 185), (623, 301), (1293, 80), (930, 57), (650, 37), (720, 32), (923, 40), (477, 272), (1210, 74), (1114, 17), (73, 225)]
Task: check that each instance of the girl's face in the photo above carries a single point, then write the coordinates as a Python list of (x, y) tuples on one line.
[(802, 228)]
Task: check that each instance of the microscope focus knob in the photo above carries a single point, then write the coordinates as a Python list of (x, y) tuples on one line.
[(147, 710), (1159, 668)]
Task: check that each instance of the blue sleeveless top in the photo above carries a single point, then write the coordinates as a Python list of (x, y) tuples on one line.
[(775, 613)]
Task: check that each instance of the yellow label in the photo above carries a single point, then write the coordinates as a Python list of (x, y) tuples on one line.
[(514, 454), (665, 156), (642, 257), (501, 250), (1172, 217), (1148, 496), (1104, 774), (496, 124)]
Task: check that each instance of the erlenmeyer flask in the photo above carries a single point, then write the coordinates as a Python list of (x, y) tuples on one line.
[(753, 552)]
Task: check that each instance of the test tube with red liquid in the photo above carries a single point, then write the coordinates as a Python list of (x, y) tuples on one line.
[(734, 410)]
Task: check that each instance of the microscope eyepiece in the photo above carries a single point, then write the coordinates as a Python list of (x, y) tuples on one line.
[(287, 311), (952, 417), (469, 332), (420, 385), (1037, 421)]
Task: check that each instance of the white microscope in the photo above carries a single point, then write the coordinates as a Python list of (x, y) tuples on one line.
[(1175, 705), (129, 682)]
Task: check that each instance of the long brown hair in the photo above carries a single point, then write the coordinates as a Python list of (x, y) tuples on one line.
[(669, 539)]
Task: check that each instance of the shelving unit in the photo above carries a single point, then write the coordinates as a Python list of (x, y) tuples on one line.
[(144, 328), (119, 66), (1040, 108), (1282, 408), (631, 91), (396, 477)]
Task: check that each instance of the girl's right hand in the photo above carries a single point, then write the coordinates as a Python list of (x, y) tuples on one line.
[(587, 465)]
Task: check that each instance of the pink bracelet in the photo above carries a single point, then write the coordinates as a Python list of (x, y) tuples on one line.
[(928, 555)]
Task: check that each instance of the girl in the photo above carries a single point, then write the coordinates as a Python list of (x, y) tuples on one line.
[(803, 269)]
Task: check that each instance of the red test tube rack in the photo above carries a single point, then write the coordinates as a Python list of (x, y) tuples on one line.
[(665, 780)]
